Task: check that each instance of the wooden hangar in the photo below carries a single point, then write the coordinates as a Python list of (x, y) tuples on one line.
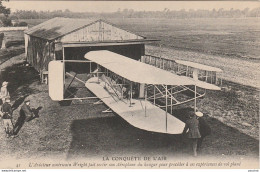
[(73, 38)]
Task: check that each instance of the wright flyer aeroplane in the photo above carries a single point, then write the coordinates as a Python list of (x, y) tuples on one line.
[(142, 94), (111, 65)]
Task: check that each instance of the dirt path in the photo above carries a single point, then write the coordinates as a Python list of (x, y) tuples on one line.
[(245, 72)]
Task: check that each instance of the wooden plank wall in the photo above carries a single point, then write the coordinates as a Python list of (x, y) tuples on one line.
[(166, 64), (39, 53), (98, 32)]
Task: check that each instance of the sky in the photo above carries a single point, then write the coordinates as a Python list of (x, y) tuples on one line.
[(112, 6)]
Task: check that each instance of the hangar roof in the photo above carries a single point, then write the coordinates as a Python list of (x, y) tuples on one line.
[(60, 27)]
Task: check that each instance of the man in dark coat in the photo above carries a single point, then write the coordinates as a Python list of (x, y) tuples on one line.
[(193, 134), (204, 128), (7, 117), (26, 114), (27, 111)]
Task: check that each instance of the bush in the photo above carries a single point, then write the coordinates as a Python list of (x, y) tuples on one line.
[(22, 24), (6, 21)]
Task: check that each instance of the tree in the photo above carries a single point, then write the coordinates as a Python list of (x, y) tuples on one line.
[(3, 10), (245, 12), (221, 12), (6, 21), (67, 11)]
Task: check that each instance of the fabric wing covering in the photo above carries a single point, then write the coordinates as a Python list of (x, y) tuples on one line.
[(136, 71), (198, 66)]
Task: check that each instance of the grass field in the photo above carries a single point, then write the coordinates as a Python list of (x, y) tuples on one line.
[(14, 45), (237, 38)]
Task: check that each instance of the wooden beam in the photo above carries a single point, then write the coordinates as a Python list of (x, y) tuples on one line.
[(92, 44)]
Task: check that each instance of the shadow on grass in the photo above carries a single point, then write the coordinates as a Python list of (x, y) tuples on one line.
[(18, 102), (113, 135), (20, 122), (108, 136), (19, 77), (22, 119), (5, 55), (14, 43), (70, 93), (36, 113)]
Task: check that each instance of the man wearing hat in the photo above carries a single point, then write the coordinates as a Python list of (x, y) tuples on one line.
[(26, 114), (7, 117), (26, 109), (4, 92), (193, 134), (204, 128)]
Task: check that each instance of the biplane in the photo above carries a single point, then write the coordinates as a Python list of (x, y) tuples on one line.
[(142, 94)]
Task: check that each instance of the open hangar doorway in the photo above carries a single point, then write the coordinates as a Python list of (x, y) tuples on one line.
[(74, 52)]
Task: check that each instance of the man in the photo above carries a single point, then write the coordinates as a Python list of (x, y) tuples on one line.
[(27, 111), (204, 128), (26, 114), (193, 134), (7, 117), (4, 92)]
